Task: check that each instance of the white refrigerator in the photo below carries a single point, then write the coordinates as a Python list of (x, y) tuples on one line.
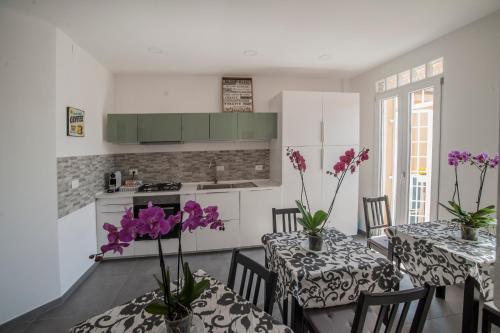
[(322, 126)]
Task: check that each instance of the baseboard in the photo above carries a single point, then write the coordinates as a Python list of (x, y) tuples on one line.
[(35, 313)]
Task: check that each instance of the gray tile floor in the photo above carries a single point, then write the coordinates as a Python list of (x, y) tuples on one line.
[(114, 282)]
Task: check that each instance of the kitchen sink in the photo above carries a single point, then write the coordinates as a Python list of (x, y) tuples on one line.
[(222, 186)]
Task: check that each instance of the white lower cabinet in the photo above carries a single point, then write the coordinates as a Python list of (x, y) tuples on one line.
[(111, 211), (246, 216), (169, 246), (228, 204), (256, 214), (208, 239)]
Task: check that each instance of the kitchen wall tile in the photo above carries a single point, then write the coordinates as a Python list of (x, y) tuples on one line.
[(91, 171)]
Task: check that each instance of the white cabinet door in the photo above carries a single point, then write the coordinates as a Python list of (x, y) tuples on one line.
[(345, 210), (291, 185), (208, 239), (341, 119), (256, 214), (302, 118), (113, 218), (188, 238), (227, 202)]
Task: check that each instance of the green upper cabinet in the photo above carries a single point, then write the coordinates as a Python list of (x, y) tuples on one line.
[(159, 127), (122, 128), (223, 126), (191, 127), (257, 126), (195, 127)]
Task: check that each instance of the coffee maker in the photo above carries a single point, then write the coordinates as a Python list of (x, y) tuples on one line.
[(115, 181)]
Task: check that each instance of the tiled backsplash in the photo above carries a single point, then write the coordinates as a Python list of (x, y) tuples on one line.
[(152, 167), (90, 172)]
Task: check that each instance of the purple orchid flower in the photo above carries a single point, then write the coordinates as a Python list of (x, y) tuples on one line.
[(152, 222), (493, 162), (114, 240)]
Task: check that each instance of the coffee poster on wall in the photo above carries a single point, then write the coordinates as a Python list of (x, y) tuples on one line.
[(237, 94), (76, 122)]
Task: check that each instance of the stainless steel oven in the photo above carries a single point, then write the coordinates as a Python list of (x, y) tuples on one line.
[(169, 203)]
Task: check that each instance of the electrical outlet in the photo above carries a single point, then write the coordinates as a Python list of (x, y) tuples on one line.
[(75, 183), (259, 167), (220, 168), (133, 172)]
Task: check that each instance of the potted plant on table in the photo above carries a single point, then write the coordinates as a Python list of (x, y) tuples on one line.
[(175, 305), (314, 222), (481, 217)]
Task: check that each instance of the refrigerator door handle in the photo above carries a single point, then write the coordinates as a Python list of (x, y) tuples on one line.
[(322, 157)]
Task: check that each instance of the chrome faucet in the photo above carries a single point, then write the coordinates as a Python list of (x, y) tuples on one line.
[(213, 164)]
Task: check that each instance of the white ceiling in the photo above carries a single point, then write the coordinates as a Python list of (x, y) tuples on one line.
[(340, 37)]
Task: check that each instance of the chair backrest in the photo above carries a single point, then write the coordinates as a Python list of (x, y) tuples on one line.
[(247, 285), (288, 219), (389, 305), (377, 214)]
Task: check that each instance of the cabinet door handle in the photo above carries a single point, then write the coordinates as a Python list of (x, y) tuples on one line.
[(322, 131)]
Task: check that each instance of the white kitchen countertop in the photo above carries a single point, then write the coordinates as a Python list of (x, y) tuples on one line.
[(191, 188)]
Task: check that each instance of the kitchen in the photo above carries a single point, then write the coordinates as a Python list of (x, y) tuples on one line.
[(207, 103)]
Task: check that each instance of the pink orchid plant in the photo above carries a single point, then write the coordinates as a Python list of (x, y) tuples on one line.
[(482, 162), (348, 163), (153, 223)]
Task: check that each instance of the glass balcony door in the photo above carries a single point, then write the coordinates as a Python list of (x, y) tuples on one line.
[(408, 150)]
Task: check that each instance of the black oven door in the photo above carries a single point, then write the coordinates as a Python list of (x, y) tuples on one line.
[(170, 205)]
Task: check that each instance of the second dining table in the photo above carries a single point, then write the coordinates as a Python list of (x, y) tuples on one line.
[(334, 276), (434, 253)]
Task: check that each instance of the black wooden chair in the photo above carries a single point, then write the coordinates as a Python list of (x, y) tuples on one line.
[(491, 315), (355, 317), (260, 273), (288, 224), (288, 219), (377, 218)]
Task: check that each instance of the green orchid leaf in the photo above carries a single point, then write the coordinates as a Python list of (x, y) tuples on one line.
[(305, 214), (303, 223), (318, 218), (157, 307), (199, 288)]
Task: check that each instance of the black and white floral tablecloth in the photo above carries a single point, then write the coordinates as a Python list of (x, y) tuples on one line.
[(219, 308), (333, 277), (433, 252)]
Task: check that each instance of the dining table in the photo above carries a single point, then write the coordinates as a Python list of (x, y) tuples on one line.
[(333, 276), (218, 309), (434, 253)]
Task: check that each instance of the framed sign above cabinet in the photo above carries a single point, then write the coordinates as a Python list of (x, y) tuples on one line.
[(237, 94)]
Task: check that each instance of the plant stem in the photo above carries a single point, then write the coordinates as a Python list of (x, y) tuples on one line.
[(163, 273), (457, 189), (305, 191), (179, 251), (482, 177)]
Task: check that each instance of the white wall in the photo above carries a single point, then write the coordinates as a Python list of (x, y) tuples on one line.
[(77, 240), (28, 196), (84, 83), (470, 112), (199, 93)]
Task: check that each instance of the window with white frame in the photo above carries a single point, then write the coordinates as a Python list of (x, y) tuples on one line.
[(415, 74)]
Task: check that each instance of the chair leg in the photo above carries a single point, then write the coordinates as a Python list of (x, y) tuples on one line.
[(441, 292), (297, 316), (486, 325), (470, 308)]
